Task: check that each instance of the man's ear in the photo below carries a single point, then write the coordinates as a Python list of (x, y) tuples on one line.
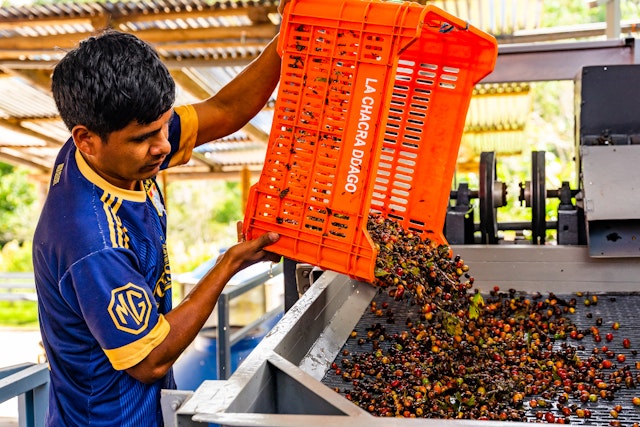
[(85, 140)]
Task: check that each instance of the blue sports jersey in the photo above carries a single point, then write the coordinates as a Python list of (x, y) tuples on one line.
[(104, 285)]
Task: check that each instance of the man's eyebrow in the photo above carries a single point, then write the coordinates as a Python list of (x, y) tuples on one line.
[(144, 136)]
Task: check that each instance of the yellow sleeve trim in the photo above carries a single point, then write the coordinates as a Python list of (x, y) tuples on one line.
[(131, 354), (188, 134)]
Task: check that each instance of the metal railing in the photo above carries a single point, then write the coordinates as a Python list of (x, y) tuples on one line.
[(29, 382), (225, 339), (17, 286)]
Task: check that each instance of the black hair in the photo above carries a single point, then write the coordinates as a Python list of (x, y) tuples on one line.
[(110, 80)]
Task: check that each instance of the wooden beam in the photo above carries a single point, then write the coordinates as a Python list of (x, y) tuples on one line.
[(224, 51), (159, 37), (55, 42), (213, 166), (200, 13), (50, 43), (170, 62), (239, 43), (245, 180), (227, 45), (120, 16), (11, 24), (227, 176), (37, 77), (20, 158), (187, 81), (255, 133), (14, 124)]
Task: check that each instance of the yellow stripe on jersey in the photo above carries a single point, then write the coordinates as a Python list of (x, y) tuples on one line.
[(121, 233), (131, 354), (111, 201), (117, 233), (188, 134), (108, 214)]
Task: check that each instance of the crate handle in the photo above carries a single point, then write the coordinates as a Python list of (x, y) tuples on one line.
[(448, 24), (448, 21), (418, 32), (445, 27)]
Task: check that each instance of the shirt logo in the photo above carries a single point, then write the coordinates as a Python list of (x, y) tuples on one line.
[(56, 176), (154, 195), (130, 308)]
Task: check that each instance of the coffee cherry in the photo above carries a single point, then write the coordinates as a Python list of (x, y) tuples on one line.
[(615, 326), (499, 356), (549, 417)]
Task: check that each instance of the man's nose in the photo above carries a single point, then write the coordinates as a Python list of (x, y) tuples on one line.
[(161, 147)]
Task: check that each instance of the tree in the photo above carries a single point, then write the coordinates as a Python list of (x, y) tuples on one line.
[(202, 218), (18, 207), (18, 216)]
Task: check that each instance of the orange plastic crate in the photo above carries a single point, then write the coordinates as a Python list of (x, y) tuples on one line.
[(368, 119)]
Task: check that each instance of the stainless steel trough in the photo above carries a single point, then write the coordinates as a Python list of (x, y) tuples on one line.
[(279, 384)]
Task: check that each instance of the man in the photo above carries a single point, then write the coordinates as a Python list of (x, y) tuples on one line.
[(100, 255)]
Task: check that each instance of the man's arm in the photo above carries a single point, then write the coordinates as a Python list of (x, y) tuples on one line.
[(187, 319), (241, 99)]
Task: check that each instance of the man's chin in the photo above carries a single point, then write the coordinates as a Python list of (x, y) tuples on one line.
[(149, 171)]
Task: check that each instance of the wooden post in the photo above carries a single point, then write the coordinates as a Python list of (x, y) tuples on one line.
[(165, 193), (246, 185)]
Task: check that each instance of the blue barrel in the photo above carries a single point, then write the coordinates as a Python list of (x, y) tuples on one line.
[(199, 362)]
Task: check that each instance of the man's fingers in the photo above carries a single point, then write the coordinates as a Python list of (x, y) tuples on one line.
[(241, 236), (269, 238), (281, 6)]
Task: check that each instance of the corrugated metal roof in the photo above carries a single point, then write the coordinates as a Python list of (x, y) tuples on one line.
[(204, 43), (33, 102), (496, 16), (208, 42)]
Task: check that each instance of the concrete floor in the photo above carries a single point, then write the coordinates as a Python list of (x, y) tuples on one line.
[(18, 346)]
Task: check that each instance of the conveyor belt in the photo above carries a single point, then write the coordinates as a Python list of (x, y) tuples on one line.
[(610, 308)]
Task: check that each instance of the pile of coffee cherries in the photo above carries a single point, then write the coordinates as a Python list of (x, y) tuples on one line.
[(460, 354)]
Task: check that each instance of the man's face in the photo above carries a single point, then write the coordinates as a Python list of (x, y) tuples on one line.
[(133, 153)]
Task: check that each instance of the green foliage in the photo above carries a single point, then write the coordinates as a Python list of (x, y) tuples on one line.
[(552, 127), (229, 209), (549, 128), (16, 256), (202, 220), (19, 313), (557, 13), (18, 207), (570, 12), (18, 216)]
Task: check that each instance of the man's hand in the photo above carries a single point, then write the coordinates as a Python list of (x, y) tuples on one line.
[(189, 316), (252, 251)]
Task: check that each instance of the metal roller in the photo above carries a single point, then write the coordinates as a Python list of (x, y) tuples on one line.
[(493, 195)]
